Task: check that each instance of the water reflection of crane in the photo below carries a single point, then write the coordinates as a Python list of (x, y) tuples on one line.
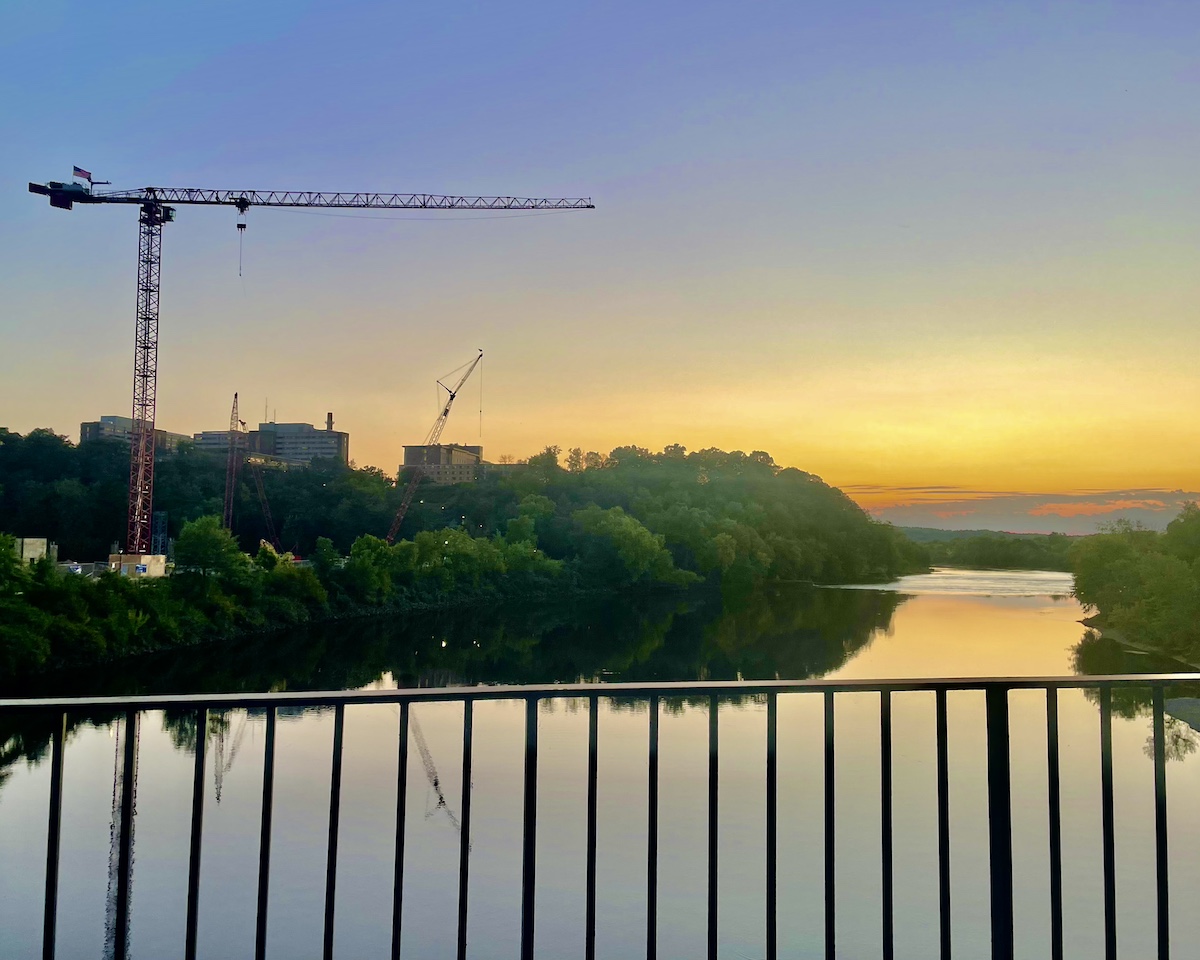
[(120, 733), (222, 764), (431, 772)]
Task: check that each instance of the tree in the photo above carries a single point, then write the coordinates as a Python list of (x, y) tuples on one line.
[(547, 460), (574, 460), (208, 548)]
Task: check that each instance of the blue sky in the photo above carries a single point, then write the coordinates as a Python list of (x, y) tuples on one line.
[(920, 244)]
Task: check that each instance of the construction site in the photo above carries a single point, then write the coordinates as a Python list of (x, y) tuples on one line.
[(272, 446)]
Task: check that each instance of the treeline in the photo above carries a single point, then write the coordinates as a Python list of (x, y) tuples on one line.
[(637, 520), (1145, 585), (736, 512), (1003, 552)]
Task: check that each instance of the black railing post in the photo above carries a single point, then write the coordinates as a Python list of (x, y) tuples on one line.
[(1107, 825), (464, 840), (529, 830), (264, 838), (1000, 822), (335, 810), (885, 827), (401, 804), (652, 835), (193, 901), (943, 796), (58, 743), (1160, 826), (830, 833), (713, 811), (772, 826), (125, 849), (1054, 802), (593, 774)]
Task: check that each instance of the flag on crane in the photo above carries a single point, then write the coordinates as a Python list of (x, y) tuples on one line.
[(82, 174)]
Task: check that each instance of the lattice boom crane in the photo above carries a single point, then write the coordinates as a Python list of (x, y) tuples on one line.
[(154, 211), (433, 437)]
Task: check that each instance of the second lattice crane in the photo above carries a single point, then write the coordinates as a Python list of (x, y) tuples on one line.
[(434, 436)]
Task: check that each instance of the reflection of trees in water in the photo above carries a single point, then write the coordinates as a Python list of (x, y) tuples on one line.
[(791, 633), (1096, 656), (1179, 740)]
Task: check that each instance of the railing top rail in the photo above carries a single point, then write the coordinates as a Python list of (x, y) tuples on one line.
[(571, 690)]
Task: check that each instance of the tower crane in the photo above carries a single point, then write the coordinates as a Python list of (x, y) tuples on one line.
[(155, 209), (435, 434)]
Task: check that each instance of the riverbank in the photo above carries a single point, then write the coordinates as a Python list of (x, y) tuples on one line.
[(1112, 635)]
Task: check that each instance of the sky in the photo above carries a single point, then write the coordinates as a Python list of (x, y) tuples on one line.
[(939, 254)]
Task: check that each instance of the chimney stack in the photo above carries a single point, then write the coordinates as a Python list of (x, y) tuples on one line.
[(329, 421)]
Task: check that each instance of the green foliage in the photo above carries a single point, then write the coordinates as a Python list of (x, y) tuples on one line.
[(622, 549), (1145, 585), (629, 520), (206, 547), (1003, 551)]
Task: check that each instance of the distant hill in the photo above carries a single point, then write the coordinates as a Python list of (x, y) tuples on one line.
[(934, 535), (993, 549)]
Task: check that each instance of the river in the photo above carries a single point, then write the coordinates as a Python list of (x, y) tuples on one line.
[(945, 624)]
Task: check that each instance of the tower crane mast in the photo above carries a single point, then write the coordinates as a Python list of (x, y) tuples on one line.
[(154, 204), (433, 437)]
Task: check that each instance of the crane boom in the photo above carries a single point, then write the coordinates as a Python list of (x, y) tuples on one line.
[(434, 435), (65, 194), (431, 773), (232, 463), (435, 432), (154, 212)]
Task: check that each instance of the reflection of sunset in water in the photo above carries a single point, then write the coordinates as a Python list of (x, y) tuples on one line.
[(935, 636)]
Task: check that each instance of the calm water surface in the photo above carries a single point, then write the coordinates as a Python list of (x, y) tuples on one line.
[(945, 624)]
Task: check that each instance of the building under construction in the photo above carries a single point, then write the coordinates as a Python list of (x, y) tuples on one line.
[(445, 462)]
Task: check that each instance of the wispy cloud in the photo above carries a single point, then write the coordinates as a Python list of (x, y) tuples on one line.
[(952, 508), (1091, 509)]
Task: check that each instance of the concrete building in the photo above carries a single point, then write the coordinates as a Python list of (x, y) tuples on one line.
[(32, 549), (445, 462), (300, 442), (121, 428), (285, 443)]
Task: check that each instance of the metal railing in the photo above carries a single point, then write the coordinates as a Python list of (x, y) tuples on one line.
[(999, 800)]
